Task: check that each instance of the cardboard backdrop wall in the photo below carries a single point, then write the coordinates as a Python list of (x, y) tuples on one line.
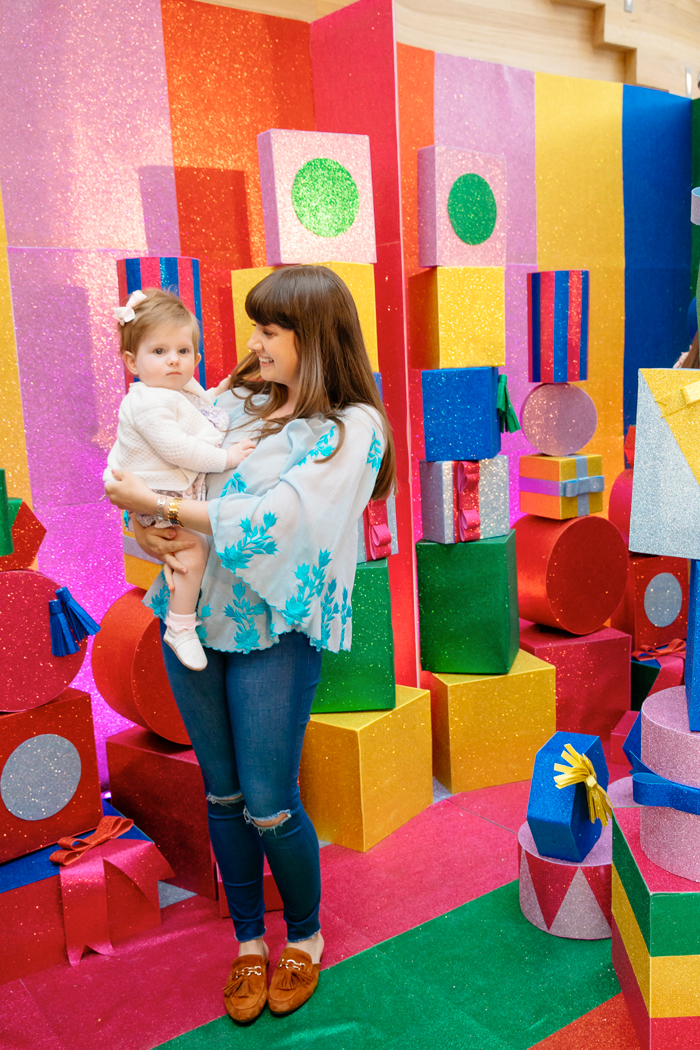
[(131, 130)]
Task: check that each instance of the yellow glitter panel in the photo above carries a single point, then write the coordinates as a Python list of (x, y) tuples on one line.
[(457, 317), (359, 278), (667, 386), (670, 984), (241, 283), (580, 223), (365, 773), (13, 445), (139, 573), (487, 728)]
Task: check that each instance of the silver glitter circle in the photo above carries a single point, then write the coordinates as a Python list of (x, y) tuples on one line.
[(663, 599), (40, 777)]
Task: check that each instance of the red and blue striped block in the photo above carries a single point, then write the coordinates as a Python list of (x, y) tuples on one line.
[(174, 274), (557, 305)]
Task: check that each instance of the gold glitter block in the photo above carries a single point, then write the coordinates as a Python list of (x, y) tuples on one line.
[(241, 283), (457, 317), (139, 573), (487, 728), (365, 773), (359, 278)]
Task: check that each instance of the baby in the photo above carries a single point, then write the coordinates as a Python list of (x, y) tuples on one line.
[(169, 434)]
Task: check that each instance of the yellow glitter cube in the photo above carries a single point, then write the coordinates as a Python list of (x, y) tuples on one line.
[(365, 773), (487, 728), (359, 278), (457, 317)]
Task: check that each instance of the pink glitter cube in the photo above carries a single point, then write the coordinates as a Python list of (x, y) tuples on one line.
[(461, 208), (317, 197)]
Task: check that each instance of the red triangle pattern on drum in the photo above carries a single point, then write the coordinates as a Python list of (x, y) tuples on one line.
[(551, 882), (600, 881)]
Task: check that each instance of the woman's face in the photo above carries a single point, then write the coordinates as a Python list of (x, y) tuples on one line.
[(277, 353)]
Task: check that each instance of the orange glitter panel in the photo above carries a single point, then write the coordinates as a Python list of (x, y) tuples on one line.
[(231, 75), (416, 80)]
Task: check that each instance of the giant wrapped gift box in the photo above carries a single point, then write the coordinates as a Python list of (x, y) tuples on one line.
[(487, 728), (463, 501), (654, 607), (460, 418), (49, 784), (364, 774), (561, 486), (468, 600), (457, 317), (656, 942), (593, 675), (32, 909), (558, 326), (363, 678), (159, 785)]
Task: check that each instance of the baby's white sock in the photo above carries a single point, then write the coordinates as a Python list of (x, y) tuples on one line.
[(181, 621)]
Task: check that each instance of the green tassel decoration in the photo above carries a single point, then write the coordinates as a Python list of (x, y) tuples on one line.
[(507, 419), (6, 544)]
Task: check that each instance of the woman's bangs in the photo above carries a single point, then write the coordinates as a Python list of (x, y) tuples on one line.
[(268, 303)]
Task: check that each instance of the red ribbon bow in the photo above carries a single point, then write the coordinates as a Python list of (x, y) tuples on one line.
[(676, 647), (84, 886), (377, 532), (467, 521)]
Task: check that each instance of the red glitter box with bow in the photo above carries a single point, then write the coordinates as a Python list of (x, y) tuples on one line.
[(377, 534), (654, 608), (90, 893), (464, 500)]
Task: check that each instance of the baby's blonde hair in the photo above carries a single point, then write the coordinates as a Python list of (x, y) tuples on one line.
[(158, 308)]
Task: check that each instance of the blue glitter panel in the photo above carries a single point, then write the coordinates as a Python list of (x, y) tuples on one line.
[(459, 412), (169, 277), (558, 817)]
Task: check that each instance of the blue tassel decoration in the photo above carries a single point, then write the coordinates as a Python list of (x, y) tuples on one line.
[(62, 641), (79, 622)]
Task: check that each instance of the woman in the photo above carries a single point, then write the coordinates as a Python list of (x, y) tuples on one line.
[(277, 590)]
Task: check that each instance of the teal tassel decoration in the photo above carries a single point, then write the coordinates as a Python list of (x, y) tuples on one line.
[(507, 419), (80, 623), (62, 641)]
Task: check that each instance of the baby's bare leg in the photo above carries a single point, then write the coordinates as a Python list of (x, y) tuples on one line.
[(185, 593)]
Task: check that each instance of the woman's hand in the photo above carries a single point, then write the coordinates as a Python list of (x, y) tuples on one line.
[(129, 492), (164, 544)]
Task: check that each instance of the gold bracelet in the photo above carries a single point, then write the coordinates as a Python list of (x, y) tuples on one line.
[(174, 512)]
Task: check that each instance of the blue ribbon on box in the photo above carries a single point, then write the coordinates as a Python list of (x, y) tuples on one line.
[(649, 789)]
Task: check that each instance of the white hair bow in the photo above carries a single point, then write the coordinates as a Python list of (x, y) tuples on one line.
[(126, 313)]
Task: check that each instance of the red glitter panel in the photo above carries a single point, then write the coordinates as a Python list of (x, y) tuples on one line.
[(593, 676), (27, 534), (30, 675), (127, 662), (571, 574), (231, 75), (160, 787), (574, 330), (354, 77), (608, 1027), (33, 779), (546, 323), (631, 614), (620, 506), (416, 82)]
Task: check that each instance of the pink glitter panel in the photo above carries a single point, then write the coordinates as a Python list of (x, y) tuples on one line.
[(85, 148), (282, 154), (515, 445), (491, 108), (668, 746), (438, 244)]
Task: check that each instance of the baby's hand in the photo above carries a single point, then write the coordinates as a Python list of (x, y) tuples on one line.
[(235, 454)]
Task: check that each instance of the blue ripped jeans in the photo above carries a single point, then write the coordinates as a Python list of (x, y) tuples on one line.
[(246, 714)]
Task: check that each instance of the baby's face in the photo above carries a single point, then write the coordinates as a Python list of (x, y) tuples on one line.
[(165, 358)]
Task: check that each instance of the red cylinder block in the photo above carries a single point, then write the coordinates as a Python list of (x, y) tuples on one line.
[(127, 663), (620, 505), (30, 675), (571, 574)]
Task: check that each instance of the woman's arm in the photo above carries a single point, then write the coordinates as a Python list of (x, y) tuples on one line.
[(128, 492)]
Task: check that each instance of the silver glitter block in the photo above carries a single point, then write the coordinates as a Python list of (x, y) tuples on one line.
[(437, 499), (665, 515)]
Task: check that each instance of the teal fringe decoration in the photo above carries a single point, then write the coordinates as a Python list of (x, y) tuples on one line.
[(81, 623), (507, 419), (62, 641)]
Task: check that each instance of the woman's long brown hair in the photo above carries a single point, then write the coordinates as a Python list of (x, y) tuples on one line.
[(335, 371), (692, 359)]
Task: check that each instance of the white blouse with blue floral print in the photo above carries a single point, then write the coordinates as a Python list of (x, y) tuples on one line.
[(284, 523)]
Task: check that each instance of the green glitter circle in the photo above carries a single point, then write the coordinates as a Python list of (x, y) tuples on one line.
[(472, 209), (325, 197)]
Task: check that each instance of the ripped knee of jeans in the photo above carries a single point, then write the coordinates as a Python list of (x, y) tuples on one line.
[(225, 800), (268, 824)]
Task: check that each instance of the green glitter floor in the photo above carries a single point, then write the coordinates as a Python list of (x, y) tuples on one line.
[(480, 977)]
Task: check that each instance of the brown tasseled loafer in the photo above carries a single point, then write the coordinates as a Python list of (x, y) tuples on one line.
[(245, 993), (293, 982)]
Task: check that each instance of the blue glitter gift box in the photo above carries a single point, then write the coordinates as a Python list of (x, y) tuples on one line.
[(459, 413), (558, 817)]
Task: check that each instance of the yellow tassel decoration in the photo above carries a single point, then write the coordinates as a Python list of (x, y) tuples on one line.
[(580, 771)]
